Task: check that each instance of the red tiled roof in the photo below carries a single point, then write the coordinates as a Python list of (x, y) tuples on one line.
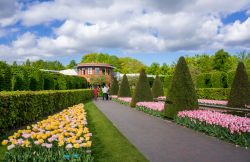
[(95, 65)]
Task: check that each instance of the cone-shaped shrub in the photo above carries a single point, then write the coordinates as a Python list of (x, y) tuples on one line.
[(114, 87), (240, 90), (124, 90), (157, 88), (142, 90), (182, 95)]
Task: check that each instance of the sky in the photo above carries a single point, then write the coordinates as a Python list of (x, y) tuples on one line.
[(148, 30)]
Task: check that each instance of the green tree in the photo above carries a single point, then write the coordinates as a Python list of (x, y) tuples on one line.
[(154, 69), (221, 59), (240, 91), (182, 95), (157, 88), (27, 63), (6, 75), (114, 87), (142, 90), (124, 90), (14, 63), (72, 64), (129, 65)]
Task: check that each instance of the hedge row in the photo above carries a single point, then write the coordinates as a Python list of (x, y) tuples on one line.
[(22, 107), (216, 80), (28, 78), (213, 93)]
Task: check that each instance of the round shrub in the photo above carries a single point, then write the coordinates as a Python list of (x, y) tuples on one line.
[(219, 80), (203, 80)]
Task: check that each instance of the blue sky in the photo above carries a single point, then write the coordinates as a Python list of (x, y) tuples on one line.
[(150, 30)]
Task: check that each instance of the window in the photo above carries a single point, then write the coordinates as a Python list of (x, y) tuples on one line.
[(108, 71), (89, 70), (83, 71), (97, 70), (103, 71)]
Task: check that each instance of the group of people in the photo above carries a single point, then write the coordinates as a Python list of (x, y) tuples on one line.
[(105, 92)]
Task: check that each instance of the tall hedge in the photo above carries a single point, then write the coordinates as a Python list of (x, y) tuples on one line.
[(213, 93), (114, 87), (219, 80), (22, 107), (203, 80), (124, 90), (240, 90), (157, 88), (5, 79), (167, 83), (142, 90), (182, 95)]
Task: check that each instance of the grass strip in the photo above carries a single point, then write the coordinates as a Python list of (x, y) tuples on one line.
[(109, 145)]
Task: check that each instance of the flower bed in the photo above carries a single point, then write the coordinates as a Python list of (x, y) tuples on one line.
[(228, 127), (62, 137)]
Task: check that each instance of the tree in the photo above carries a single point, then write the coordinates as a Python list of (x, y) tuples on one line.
[(221, 59), (157, 88), (154, 69), (130, 65), (27, 63), (124, 90), (240, 91), (114, 87), (142, 90), (14, 63), (98, 80), (182, 95), (72, 64)]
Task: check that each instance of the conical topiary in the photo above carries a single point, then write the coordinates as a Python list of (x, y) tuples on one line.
[(114, 87), (182, 95), (240, 90), (142, 90), (124, 90), (157, 88)]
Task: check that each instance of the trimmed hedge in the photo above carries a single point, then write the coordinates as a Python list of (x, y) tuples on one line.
[(28, 78), (219, 80), (22, 107), (213, 93), (203, 80), (5, 77), (167, 83)]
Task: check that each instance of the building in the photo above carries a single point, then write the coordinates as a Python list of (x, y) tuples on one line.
[(95, 72)]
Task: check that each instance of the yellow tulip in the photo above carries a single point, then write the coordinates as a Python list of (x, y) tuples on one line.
[(5, 142), (76, 145)]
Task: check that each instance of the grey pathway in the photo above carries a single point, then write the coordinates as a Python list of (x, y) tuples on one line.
[(163, 141)]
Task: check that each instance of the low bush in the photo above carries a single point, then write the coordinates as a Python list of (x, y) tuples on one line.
[(219, 80), (213, 93), (22, 107)]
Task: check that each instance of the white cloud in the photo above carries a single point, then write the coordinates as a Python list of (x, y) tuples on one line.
[(138, 26)]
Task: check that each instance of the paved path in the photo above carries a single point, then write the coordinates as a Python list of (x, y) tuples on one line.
[(163, 141)]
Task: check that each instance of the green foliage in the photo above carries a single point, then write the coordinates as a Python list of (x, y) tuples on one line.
[(203, 80), (221, 61), (154, 68), (150, 81), (22, 107), (114, 87), (123, 65), (5, 76), (219, 80), (49, 65), (167, 82), (182, 93), (142, 90), (157, 88), (71, 64), (240, 90), (213, 93), (216, 131), (124, 90), (98, 80)]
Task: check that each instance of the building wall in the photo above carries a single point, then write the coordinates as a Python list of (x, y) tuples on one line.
[(88, 76)]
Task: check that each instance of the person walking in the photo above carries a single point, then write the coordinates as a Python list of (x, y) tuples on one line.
[(107, 95), (104, 91), (95, 92)]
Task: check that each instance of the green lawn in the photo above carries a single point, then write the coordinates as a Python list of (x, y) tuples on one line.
[(108, 143)]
